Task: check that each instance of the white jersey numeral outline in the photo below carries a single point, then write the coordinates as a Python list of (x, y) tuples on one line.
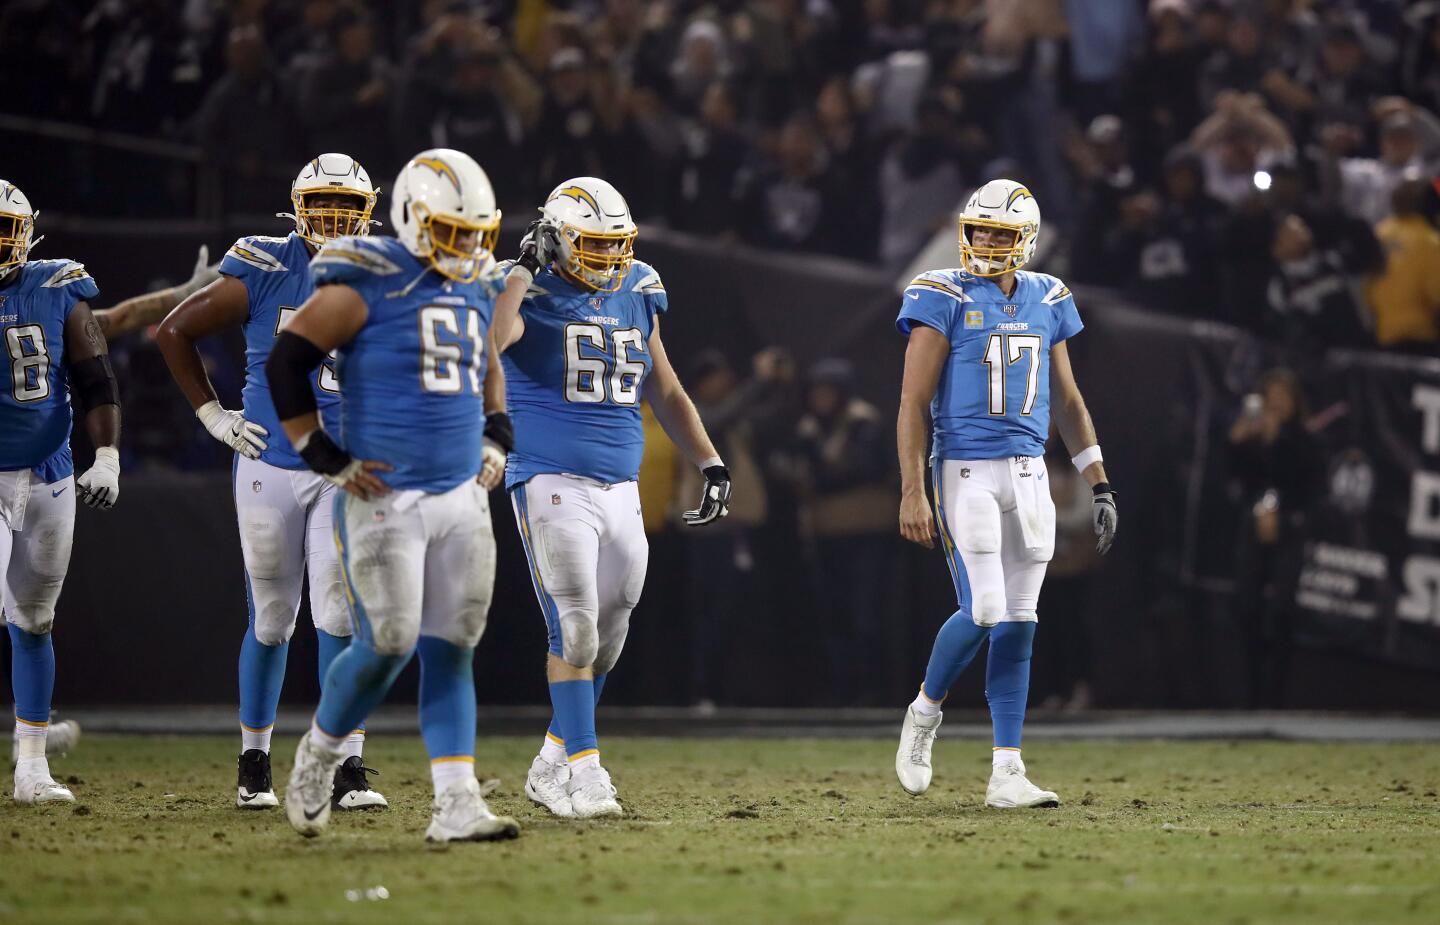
[(615, 377), (1002, 350), (440, 362), (23, 362)]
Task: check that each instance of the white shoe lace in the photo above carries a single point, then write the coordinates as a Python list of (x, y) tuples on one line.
[(920, 745), (545, 778)]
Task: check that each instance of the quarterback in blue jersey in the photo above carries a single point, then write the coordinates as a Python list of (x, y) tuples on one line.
[(55, 357), (408, 317), (284, 509), (987, 342), (583, 352)]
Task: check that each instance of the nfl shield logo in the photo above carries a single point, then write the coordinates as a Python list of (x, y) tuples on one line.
[(255, 486), (1011, 310), (596, 301), (554, 499)]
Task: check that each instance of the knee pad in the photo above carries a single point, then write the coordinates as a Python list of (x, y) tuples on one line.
[(262, 539), (579, 637), (611, 641), (479, 590), (988, 608), (387, 599), (34, 618), (274, 621)]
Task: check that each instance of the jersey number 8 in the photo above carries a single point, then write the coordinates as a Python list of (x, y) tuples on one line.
[(589, 378), (29, 362)]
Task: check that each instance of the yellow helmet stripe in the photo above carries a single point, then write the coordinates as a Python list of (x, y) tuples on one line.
[(440, 167), (1017, 193), (580, 194)]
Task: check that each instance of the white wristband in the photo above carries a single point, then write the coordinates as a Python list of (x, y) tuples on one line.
[(1087, 457), (522, 273), (712, 461)]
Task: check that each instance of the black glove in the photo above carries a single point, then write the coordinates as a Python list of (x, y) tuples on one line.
[(1105, 515), (542, 245), (715, 502)]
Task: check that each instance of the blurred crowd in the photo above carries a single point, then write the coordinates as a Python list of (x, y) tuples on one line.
[(1266, 162)]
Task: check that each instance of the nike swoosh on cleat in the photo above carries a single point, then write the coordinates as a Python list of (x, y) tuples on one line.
[(312, 816), (247, 797), (56, 494)]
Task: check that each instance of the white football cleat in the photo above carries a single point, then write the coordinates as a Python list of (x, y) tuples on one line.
[(545, 785), (1011, 789), (34, 785), (60, 738), (307, 795), (912, 758), (592, 794), (460, 813)]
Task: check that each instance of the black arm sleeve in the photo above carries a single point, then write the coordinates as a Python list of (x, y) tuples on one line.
[(292, 360), (94, 383)]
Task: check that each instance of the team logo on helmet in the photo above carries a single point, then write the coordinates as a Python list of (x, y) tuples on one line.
[(440, 167)]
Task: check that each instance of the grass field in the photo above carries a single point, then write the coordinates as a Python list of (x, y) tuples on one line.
[(757, 831)]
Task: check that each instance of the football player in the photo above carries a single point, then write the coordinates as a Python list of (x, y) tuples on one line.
[(408, 317), (284, 509), (583, 352), (987, 342), (54, 356)]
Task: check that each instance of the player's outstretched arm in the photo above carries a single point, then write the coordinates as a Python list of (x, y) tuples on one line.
[(330, 318), (677, 415), (144, 310), (225, 303), (1078, 432), (93, 385), (925, 356)]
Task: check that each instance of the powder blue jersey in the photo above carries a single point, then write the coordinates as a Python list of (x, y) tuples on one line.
[(35, 395), (573, 380), (993, 399), (414, 374), (276, 274)]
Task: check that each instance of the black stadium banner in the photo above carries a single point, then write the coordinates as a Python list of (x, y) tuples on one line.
[(1369, 578)]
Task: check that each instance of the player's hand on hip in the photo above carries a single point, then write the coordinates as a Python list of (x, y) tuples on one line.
[(99, 486), (492, 465), (715, 502), (917, 522), (359, 479), (1105, 515), (230, 427)]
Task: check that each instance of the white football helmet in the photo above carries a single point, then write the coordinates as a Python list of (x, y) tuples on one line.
[(596, 219), (1003, 205), (17, 228), (443, 209), (331, 175)]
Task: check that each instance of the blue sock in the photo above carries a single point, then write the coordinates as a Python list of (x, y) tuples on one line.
[(358, 680), (574, 703), (330, 647), (955, 645), (554, 729), (447, 698), (262, 674), (1007, 680), (32, 673)]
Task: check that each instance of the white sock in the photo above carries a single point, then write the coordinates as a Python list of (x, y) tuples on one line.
[(354, 744), (924, 706), (255, 738), (552, 750), (325, 740), (1004, 757), (447, 771), (30, 739), (591, 760)]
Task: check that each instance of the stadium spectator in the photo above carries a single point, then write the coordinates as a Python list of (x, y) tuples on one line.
[(1311, 302), (346, 94), (1163, 100), (848, 511), (1240, 139), (795, 204), (920, 183), (712, 168), (1409, 145), (574, 134), (1405, 298)]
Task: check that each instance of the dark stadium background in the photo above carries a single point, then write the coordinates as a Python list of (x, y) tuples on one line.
[(787, 168)]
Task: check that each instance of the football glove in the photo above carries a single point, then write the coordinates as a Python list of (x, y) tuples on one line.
[(1105, 515), (542, 245), (715, 502), (230, 427), (99, 487)]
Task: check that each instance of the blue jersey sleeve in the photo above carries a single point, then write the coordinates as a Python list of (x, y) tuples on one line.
[(71, 281), (251, 261), (648, 284), (1067, 318), (929, 301), (351, 261)]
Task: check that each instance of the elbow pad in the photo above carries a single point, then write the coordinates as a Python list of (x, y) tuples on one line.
[(292, 360), (94, 383)]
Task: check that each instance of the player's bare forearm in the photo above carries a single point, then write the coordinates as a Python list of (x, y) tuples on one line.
[(102, 425), (1072, 418), (508, 326), (494, 379), (222, 304), (911, 437), (925, 356), (673, 407), (138, 313)]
